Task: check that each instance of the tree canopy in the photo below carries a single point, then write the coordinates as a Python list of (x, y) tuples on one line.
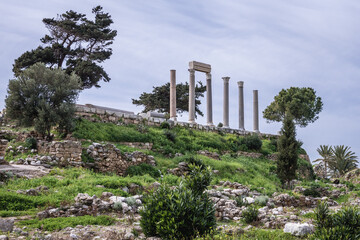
[(159, 98), (301, 103), (44, 98), (75, 44)]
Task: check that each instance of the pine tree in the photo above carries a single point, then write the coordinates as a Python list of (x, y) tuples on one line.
[(288, 151)]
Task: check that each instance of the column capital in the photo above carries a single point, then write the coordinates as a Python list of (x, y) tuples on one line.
[(240, 84), (226, 79), (192, 71), (208, 75)]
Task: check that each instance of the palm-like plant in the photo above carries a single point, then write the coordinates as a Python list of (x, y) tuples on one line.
[(342, 160), (325, 151)]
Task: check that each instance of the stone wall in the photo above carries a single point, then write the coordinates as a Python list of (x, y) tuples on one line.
[(107, 158), (3, 146), (66, 152), (102, 114)]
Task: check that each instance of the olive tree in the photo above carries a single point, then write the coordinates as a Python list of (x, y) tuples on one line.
[(43, 97)]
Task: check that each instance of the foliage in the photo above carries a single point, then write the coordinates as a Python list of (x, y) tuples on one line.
[(158, 99), (198, 178), (75, 44), (44, 98), (250, 214), (252, 142), (252, 234), (16, 202), (241, 201), (261, 200), (344, 224), (181, 212), (165, 125), (143, 169), (52, 224), (342, 160), (31, 143), (301, 103), (325, 151), (312, 191), (117, 206), (287, 146)]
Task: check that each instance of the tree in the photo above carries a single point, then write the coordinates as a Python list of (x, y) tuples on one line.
[(75, 44), (159, 98), (44, 98), (342, 160), (288, 151), (325, 151), (301, 103)]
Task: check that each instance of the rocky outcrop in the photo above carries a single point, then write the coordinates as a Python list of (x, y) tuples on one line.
[(3, 146), (302, 201), (209, 154), (353, 176), (107, 158), (299, 229)]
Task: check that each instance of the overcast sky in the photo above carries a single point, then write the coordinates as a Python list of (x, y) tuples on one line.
[(270, 45)]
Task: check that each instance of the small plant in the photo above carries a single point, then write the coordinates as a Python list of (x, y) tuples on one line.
[(312, 191), (241, 201), (130, 201), (142, 169), (261, 200), (117, 206), (250, 214), (170, 135), (220, 125), (253, 142), (165, 125), (31, 143)]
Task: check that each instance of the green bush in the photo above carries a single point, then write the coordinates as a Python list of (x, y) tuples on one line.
[(31, 143), (170, 135), (312, 191), (250, 214), (344, 224), (165, 125), (142, 169), (182, 212), (16, 202), (117, 206), (240, 201), (261, 200)]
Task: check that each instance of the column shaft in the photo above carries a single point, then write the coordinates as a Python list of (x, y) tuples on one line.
[(173, 95), (256, 111), (209, 100), (226, 102), (241, 105), (192, 96)]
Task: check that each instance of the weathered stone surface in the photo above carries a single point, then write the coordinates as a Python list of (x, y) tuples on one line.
[(6, 225), (298, 229)]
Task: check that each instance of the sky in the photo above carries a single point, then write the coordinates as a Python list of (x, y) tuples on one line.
[(270, 45)]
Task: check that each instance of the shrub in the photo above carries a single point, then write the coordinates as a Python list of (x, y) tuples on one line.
[(241, 201), (117, 206), (170, 135), (142, 169), (344, 224), (165, 125), (312, 191), (131, 201), (182, 212), (262, 200), (31, 143), (253, 142), (250, 214)]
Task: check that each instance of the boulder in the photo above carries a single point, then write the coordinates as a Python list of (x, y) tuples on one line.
[(299, 229), (6, 225)]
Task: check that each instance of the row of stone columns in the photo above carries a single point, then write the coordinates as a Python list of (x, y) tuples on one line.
[(209, 101)]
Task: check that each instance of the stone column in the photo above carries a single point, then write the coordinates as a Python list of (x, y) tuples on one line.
[(256, 111), (192, 96), (209, 100), (173, 95), (226, 102), (241, 105)]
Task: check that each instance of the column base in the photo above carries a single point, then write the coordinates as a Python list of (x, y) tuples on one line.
[(242, 129), (191, 122), (210, 124), (256, 131), (225, 127), (173, 119)]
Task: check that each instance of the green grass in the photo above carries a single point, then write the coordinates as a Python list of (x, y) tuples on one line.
[(64, 185), (255, 234), (51, 224)]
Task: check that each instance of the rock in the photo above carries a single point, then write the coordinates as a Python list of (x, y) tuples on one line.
[(129, 236), (6, 225), (3, 237), (249, 200), (299, 229)]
